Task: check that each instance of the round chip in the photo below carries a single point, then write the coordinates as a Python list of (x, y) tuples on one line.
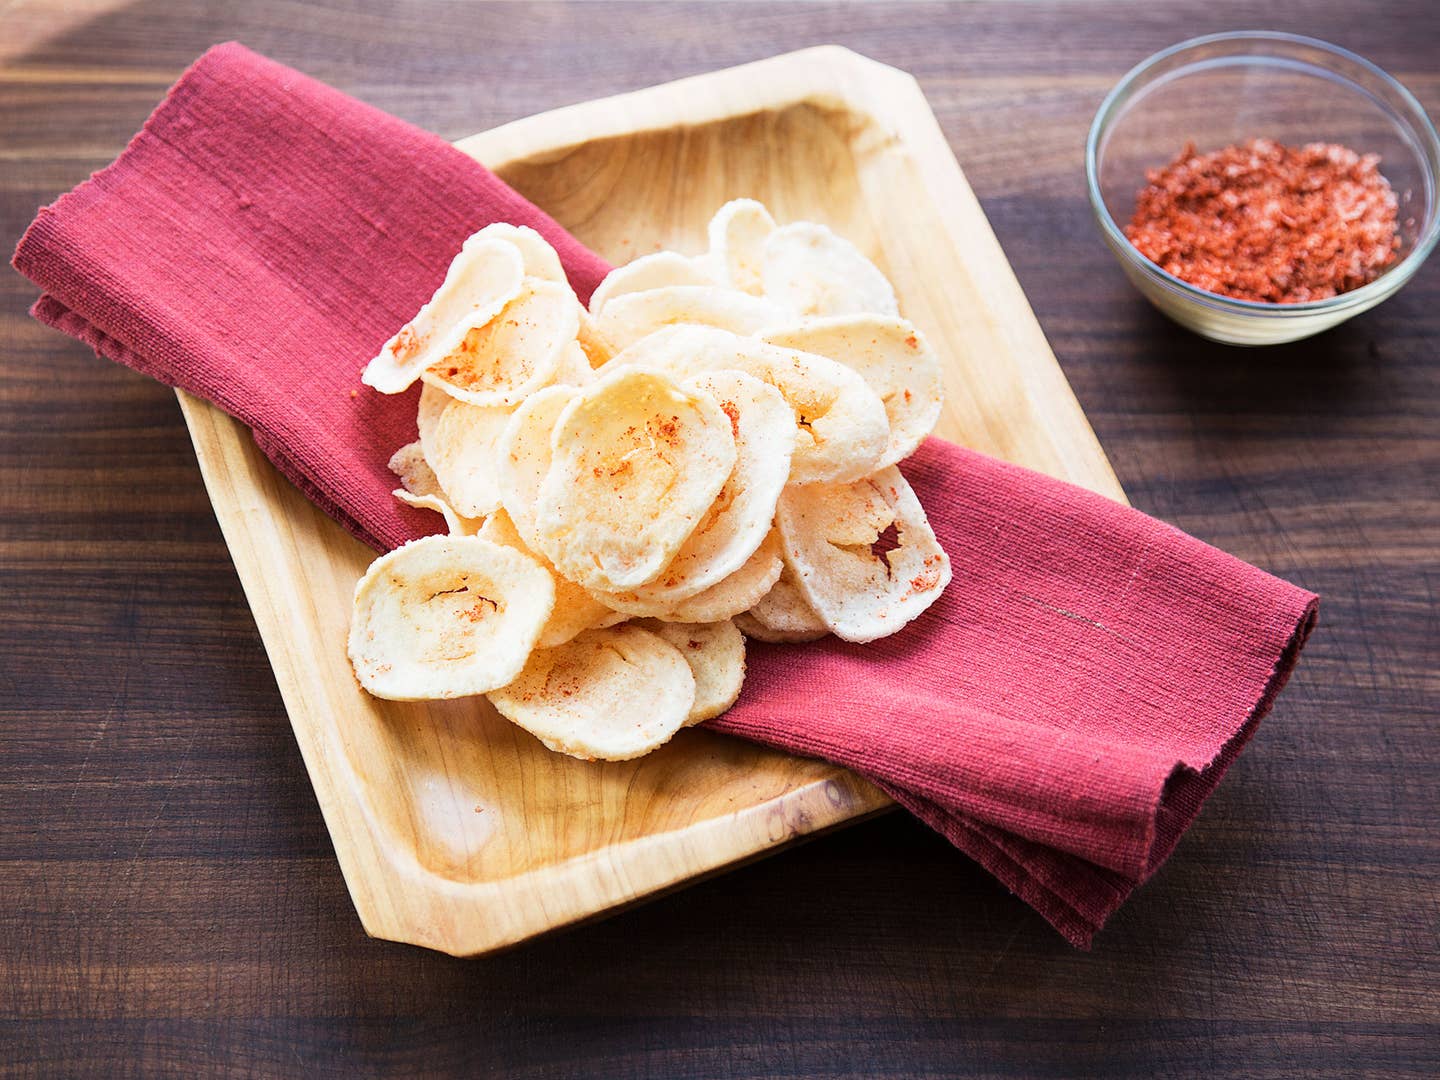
[(432, 403), (742, 513), (657, 271), (610, 694), (575, 609), (626, 319), (446, 616), (485, 277), (538, 257), (636, 463), (523, 455), (463, 449), (895, 361), (513, 354), (454, 523), (725, 599), (783, 615), (811, 271), (574, 368), (841, 426), (835, 539), (716, 655), (737, 240)]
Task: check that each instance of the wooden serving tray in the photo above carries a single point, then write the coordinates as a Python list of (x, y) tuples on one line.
[(458, 831)]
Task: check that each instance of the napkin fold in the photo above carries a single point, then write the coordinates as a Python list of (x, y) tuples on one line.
[(1060, 714)]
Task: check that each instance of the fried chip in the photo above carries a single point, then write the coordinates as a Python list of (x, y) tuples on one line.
[(447, 616), (841, 426), (596, 348), (611, 694), (523, 455), (657, 271), (834, 536), (536, 254), (895, 361), (738, 232), (741, 514), (513, 354), (636, 463), (716, 655), (575, 609), (432, 403), (454, 523), (485, 277), (812, 271), (409, 464), (574, 368), (628, 318), (783, 615), (725, 599), (463, 449)]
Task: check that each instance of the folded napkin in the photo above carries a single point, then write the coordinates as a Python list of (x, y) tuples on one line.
[(1060, 714)]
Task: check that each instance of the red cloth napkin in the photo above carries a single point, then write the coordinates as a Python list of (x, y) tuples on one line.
[(1060, 714)]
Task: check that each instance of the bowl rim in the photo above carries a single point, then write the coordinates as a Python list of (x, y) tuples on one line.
[(1367, 294)]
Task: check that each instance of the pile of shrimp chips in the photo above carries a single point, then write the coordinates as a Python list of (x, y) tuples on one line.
[(631, 490)]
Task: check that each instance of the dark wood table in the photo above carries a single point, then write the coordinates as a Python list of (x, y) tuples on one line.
[(169, 900)]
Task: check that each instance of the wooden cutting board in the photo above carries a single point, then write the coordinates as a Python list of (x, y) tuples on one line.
[(456, 830)]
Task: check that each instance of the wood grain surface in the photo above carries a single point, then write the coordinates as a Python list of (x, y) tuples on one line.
[(170, 903)]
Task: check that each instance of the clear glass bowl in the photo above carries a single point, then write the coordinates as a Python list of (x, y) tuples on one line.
[(1225, 89)]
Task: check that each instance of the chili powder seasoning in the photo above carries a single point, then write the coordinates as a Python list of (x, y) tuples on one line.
[(1267, 222)]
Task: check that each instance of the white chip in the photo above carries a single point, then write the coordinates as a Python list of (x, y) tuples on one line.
[(610, 694), (811, 271), (482, 279), (716, 655), (455, 524), (626, 319), (636, 463), (725, 599), (575, 609), (742, 513), (446, 616), (783, 615), (523, 455), (513, 354), (657, 271), (409, 464), (895, 361), (463, 449), (842, 429), (538, 257), (830, 532), (738, 232)]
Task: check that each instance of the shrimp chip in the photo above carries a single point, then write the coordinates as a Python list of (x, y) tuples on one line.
[(409, 464), (657, 271), (610, 694), (536, 254), (454, 523), (574, 368), (725, 599), (895, 361), (596, 349), (716, 655), (741, 514), (782, 615), (636, 463), (485, 277), (834, 537), (737, 240), (575, 609), (463, 449), (523, 455), (811, 271), (447, 616), (841, 426), (626, 319), (513, 354), (432, 403)]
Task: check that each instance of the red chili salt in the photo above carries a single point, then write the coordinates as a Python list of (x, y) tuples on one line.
[(1263, 221)]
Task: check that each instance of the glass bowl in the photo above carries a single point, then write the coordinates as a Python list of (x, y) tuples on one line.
[(1224, 89)]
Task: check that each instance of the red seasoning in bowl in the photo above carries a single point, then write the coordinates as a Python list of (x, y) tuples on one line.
[(1267, 222)]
